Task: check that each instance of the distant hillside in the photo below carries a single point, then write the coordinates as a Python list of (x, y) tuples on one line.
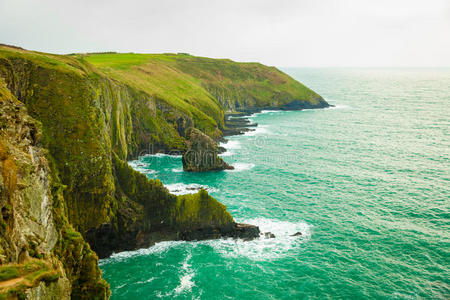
[(205, 83)]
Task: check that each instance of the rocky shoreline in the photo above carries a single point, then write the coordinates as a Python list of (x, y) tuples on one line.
[(237, 122), (201, 155), (104, 239)]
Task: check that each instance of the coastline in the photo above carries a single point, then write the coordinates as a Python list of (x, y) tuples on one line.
[(102, 115), (238, 122)]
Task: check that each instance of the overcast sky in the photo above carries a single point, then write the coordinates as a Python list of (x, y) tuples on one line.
[(283, 33)]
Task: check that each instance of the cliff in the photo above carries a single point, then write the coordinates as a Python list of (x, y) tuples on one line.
[(72, 121), (41, 255)]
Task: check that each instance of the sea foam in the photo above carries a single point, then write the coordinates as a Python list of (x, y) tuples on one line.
[(186, 276), (227, 153), (265, 248), (141, 167), (239, 167), (183, 189), (231, 144), (259, 130), (269, 111), (158, 248), (259, 249)]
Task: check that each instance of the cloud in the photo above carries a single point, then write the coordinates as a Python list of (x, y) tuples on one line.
[(282, 32)]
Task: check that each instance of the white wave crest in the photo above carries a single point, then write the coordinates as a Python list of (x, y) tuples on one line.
[(238, 167), (155, 249), (136, 164), (231, 144), (177, 170), (183, 189), (227, 153), (145, 281), (269, 111), (141, 167), (265, 248), (260, 249), (187, 274), (259, 130)]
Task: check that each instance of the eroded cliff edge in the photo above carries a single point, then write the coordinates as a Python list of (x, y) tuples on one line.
[(97, 111), (41, 255)]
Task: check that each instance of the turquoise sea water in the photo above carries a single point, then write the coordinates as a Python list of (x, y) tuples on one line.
[(366, 182)]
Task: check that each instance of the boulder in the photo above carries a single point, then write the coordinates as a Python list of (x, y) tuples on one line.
[(269, 235)]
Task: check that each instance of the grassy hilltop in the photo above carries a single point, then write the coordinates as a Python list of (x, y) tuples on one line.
[(232, 85), (89, 114), (204, 88)]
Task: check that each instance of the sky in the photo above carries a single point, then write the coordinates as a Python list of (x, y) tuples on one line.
[(283, 33)]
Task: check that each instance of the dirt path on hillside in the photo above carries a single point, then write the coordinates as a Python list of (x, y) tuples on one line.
[(11, 282)]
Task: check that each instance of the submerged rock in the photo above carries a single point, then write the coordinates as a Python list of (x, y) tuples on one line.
[(269, 235), (236, 230), (245, 231), (202, 153)]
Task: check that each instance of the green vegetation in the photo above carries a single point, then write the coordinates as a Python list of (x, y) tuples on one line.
[(17, 161), (185, 212), (63, 63), (245, 84), (95, 111), (155, 75), (8, 272), (203, 87), (16, 278), (164, 88), (79, 261), (151, 194), (200, 210)]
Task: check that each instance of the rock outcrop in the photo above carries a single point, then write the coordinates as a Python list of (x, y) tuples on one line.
[(246, 232), (150, 214), (202, 153), (41, 256)]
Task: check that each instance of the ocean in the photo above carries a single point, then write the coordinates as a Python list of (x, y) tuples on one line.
[(367, 182)]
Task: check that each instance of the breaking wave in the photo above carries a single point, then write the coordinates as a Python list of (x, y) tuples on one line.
[(183, 189)]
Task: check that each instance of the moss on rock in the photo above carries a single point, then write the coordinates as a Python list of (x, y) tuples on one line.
[(37, 243), (200, 210), (202, 153)]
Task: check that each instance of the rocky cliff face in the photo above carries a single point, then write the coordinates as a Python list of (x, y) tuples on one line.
[(202, 153), (37, 245), (69, 124)]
